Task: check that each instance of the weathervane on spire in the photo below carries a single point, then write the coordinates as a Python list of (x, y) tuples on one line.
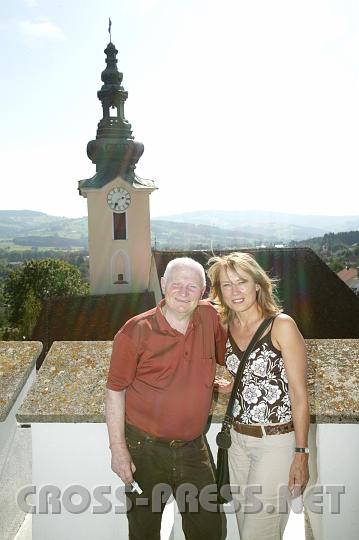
[(109, 28)]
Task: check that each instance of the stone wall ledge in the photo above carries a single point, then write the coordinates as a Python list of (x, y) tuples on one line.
[(70, 386), (17, 360)]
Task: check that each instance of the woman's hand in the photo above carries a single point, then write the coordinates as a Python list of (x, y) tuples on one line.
[(222, 385), (298, 474)]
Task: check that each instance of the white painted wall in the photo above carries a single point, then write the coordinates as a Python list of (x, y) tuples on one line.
[(68, 454), (15, 466), (336, 464)]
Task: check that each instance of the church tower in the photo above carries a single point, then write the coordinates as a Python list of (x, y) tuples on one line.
[(117, 199)]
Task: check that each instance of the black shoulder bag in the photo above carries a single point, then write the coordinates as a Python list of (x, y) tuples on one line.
[(223, 438)]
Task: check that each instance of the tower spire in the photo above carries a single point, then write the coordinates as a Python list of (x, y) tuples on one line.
[(114, 151)]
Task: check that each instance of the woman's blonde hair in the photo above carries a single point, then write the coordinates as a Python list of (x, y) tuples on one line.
[(266, 297)]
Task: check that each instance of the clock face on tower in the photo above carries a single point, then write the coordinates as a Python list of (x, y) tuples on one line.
[(118, 199)]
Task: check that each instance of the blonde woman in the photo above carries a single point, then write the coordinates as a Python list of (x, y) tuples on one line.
[(269, 448)]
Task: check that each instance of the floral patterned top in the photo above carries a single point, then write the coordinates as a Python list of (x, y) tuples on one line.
[(262, 395)]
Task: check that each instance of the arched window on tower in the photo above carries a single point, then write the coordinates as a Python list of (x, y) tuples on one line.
[(120, 268)]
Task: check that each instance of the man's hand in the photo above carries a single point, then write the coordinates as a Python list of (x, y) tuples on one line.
[(298, 474), (222, 385), (121, 462)]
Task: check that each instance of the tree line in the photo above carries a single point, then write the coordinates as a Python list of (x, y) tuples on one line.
[(25, 287)]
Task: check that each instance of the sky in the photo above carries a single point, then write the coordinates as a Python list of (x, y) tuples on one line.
[(240, 104)]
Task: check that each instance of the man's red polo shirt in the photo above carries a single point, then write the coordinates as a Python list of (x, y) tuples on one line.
[(168, 376)]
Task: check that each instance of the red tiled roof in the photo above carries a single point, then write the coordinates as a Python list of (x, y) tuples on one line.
[(321, 304), (347, 273), (88, 318)]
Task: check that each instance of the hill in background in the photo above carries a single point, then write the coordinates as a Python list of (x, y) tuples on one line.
[(275, 225), (194, 230), (27, 228)]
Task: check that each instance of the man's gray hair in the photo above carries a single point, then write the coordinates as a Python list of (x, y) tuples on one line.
[(187, 262)]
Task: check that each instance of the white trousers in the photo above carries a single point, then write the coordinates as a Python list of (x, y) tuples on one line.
[(261, 465)]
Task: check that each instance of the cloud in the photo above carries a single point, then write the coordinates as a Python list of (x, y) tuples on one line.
[(42, 29)]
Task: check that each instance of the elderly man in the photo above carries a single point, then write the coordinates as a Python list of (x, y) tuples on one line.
[(159, 393)]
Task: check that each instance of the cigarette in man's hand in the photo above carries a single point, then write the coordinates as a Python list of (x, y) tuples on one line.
[(136, 487)]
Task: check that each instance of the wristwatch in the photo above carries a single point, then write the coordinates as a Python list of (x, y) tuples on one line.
[(302, 450)]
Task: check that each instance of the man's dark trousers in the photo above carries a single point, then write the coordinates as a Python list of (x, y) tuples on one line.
[(182, 471)]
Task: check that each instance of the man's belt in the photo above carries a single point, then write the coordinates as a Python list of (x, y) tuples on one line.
[(259, 431), (174, 443)]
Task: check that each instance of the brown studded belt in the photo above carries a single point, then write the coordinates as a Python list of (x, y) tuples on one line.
[(254, 430), (175, 443)]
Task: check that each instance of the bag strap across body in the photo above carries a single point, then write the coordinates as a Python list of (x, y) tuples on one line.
[(223, 438)]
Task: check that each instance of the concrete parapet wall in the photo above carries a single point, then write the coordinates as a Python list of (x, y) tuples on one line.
[(68, 396), (17, 373), (71, 383)]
